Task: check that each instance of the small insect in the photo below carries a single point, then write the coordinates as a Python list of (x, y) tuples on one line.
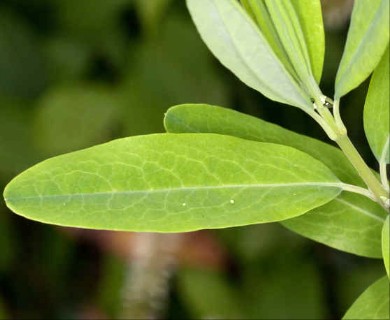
[(326, 102)]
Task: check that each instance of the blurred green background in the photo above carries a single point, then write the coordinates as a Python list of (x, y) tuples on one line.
[(74, 73)]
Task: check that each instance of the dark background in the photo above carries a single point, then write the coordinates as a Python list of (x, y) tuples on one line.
[(74, 73)]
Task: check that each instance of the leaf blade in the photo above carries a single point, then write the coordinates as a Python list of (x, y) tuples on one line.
[(235, 40), (368, 37), (171, 183), (310, 16), (385, 245), (349, 223), (376, 111), (373, 303)]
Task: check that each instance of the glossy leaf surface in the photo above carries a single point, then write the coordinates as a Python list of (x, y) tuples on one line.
[(372, 303), (340, 223), (376, 111), (385, 245), (235, 40), (171, 183), (367, 39)]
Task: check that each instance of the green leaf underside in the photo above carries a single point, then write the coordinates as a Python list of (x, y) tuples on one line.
[(234, 39), (172, 183), (367, 39), (350, 222), (385, 245), (310, 17), (258, 11), (376, 110), (291, 35), (373, 303)]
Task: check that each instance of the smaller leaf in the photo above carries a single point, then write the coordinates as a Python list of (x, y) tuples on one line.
[(376, 111), (351, 223), (372, 303), (258, 10), (367, 39), (385, 245), (291, 35), (310, 18), (235, 40)]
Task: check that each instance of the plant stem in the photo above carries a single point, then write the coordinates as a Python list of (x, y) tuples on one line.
[(383, 166), (339, 135), (355, 189), (361, 167)]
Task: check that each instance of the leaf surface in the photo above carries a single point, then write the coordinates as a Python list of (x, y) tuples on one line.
[(289, 29), (310, 18), (203, 118), (350, 222), (257, 9), (372, 303), (235, 40), (385, 245), (172, 183), (368, 37), (376, 111)]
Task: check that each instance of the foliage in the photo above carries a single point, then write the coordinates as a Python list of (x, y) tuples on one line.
[(218, 168)]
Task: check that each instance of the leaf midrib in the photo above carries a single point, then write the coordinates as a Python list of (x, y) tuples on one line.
[(192, 188)]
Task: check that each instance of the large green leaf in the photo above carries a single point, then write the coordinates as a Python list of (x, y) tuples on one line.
[(372, 303), (235, 40), (376, 111), (172, 183), (385, 245), (351, 222), (368, 37)]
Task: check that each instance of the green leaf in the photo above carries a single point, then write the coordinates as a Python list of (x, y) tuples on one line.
[(207, 293), (372, 303), (291, 35), (236, 41), (351, 222), (172, 183), (385, 245), (376, 111), (310, 17), (367, 39)]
